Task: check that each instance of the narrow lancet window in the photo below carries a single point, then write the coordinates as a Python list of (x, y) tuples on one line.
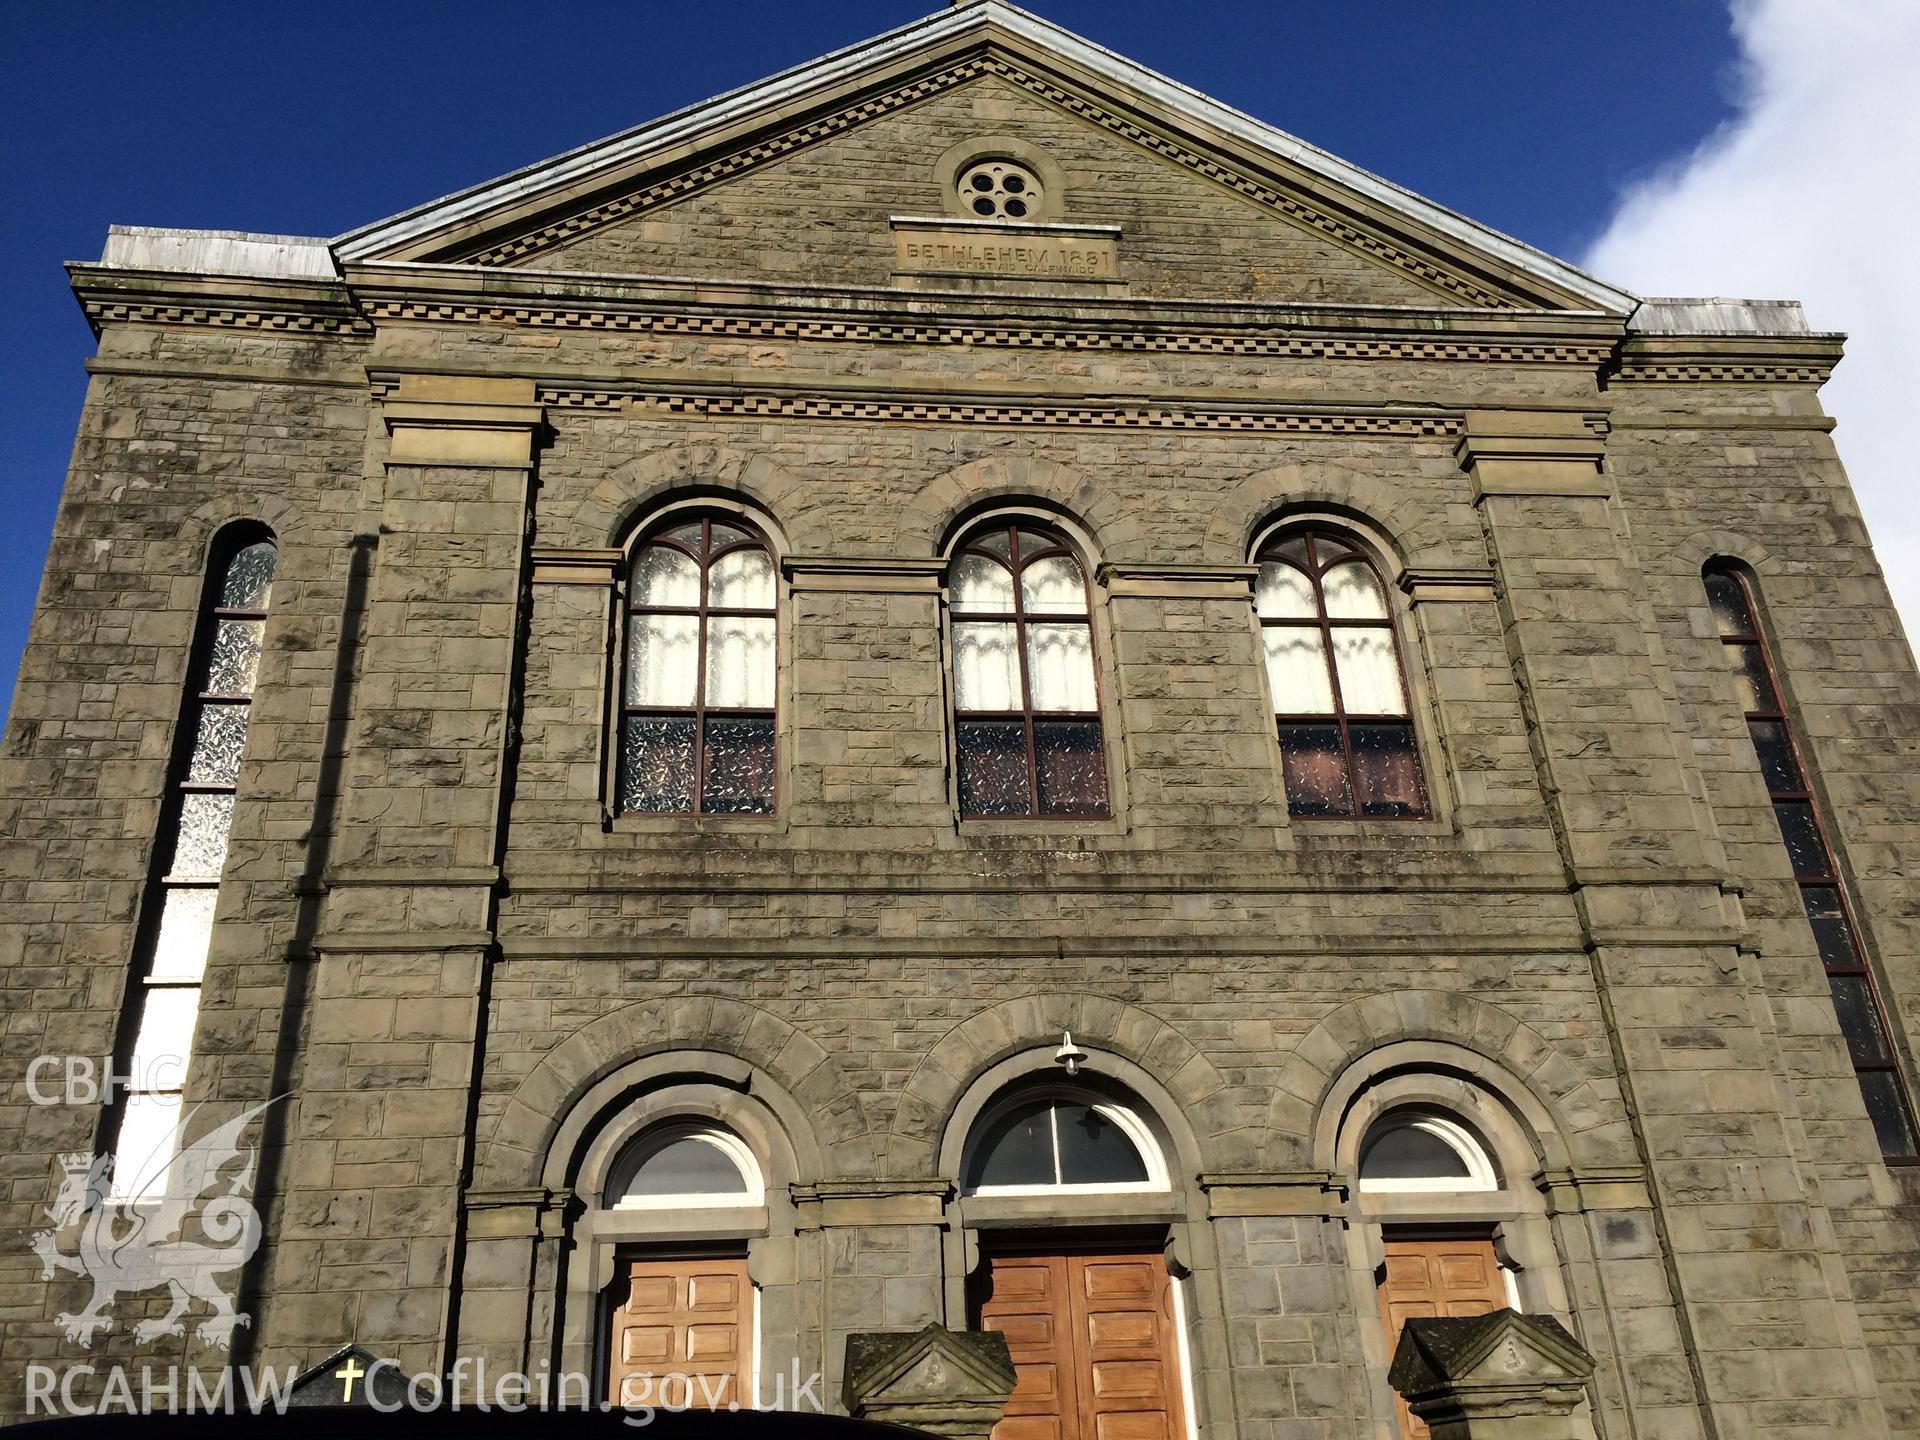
[(1823, 893), (192, 850)]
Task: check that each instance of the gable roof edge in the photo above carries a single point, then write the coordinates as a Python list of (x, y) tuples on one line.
[(371, 241)]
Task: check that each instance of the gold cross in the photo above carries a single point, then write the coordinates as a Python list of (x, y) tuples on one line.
[(346, 1375)]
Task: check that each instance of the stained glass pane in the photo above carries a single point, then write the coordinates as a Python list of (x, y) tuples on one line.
[(676, 1165), (217, 746), (1408, 1152), (1888, 1111), (740, 662), (980, 584), (663, 652), (164, 1043), (1283, 593), (1053, 586), (1369, 672), (235, 658), (1802, 837), (1386, 772), (1775, 749), (1859, 1018), (1730, 613), (1060, 668), (1071, 766), (1315, 770), (741, 580), (1093, 1149), (146, 1144), (248, 583), (993, 768), (656, 763), (1297, 671), (663, 575), (1017, 1149), (1831, 932), (1353, 592), (739, 761), (986, 667), (1750, 677), (200, 850), (723, 535), (186, 927)]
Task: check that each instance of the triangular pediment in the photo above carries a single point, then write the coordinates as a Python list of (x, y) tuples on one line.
[(816, 175)]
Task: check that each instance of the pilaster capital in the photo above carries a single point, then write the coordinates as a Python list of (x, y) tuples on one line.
[(467, 421), (1533, 452)]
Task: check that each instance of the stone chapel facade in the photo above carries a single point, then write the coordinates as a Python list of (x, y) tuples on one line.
[(633, 708)]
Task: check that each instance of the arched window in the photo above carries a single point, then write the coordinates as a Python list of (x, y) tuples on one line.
[(684, 1165), (697, 712), (1823, 892), (1062, 1141), (1026, 703), (177, 925), (1421, 1150), (1339, 693)]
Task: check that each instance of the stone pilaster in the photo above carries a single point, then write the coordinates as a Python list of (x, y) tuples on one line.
[(1736, 1222), (380, 1138)]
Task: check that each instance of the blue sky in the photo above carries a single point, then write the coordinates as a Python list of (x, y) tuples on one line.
[(1533, 117)]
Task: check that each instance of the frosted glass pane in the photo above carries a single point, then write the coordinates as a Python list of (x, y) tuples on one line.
[(201, 849), (1053, 587), (742, 580), (739, 766), (1369, 672), (1297, 671), (740, 662), (1060, 667), (1070, 765), (684, 1166), (979, 584), (248, 583), (147, 1132), (986, 667), (1283, 593), (186, 925), (165, 1041), (663, 653), (724, 535), (1353, 592), (235, 658), (688, 534), (217, 746), (998, 541), (665, 576), (656, 764)]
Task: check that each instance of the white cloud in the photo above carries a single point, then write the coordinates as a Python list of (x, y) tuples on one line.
[(1810, 193)]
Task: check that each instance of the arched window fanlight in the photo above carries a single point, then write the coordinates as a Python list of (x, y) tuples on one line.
[(1026, 703), (697, 711), (1416, 1150), (1063, 1142), (684, 1165), (1339, 692)]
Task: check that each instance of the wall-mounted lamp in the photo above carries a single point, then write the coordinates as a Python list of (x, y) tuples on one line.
[(1069, 1054)]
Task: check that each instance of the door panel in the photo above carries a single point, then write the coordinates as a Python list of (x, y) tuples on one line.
[(687, 1319), (1426, 1278), (1093, 1342)]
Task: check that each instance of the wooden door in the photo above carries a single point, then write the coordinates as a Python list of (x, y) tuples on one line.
[(682, 1326), (1428, 1277), (1094, 1345)]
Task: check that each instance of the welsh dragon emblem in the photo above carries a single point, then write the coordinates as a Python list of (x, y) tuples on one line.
[(130, 1246)]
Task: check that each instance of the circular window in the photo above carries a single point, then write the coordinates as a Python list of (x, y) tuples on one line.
[(1001, 190)]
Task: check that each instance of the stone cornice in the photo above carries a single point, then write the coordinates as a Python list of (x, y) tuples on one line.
[(1727, 359), (110, 295)]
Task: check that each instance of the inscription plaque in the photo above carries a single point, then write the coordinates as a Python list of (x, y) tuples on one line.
[(1055, 253)]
